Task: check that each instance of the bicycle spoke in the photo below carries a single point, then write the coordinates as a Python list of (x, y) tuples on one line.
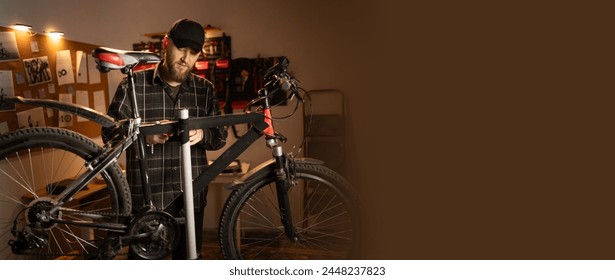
[(256, 211), (31, 171), (20, 182), (321, 213)]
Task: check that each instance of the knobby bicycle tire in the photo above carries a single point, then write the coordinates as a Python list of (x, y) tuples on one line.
[(325, 212), (34, 164)]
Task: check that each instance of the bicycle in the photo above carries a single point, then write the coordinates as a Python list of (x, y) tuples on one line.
[(66, 196)]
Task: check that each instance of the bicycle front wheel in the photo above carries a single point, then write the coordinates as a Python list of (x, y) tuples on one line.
[(35, 163), (324, 213)]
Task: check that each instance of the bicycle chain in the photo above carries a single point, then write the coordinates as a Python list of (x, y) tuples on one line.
[(106, 214)]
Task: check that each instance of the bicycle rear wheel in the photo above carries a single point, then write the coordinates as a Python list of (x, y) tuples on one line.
[(34, 165), (324, 212)]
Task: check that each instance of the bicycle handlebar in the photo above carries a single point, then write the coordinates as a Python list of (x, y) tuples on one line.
[(276, 69), (278, 78)]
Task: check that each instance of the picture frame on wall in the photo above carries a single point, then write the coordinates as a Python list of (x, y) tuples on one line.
[(37, 70), (6, 89), (8, 47), (31, 118)]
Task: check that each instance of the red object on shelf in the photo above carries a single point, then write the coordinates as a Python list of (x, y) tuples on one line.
[(201, 65), (222, 63)]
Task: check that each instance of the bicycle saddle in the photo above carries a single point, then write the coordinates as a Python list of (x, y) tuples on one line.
[(113, 59)]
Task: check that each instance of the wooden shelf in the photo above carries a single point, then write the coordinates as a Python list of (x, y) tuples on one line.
[(157, 36)]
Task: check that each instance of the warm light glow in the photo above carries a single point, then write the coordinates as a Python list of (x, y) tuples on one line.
[(22, 27), (55, 34)]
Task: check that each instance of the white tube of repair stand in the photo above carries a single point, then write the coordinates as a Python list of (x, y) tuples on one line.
[(186, 168)]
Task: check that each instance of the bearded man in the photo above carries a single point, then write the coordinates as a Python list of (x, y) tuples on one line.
[(160, 92)]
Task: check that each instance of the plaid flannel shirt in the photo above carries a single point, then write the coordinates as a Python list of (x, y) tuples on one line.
[(156, 102)]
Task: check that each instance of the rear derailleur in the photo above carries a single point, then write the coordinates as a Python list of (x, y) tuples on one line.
[(27, 239)]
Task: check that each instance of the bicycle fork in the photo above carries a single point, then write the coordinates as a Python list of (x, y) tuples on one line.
[(283, 184), (283, 181)]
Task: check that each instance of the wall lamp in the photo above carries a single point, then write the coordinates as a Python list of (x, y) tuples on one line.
[(28, 29), (55, 34), (21, 27)]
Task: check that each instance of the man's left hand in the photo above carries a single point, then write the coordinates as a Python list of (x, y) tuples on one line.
[(196, 136)]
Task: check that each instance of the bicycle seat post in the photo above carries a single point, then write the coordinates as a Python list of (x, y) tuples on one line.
[(186, 171), (133, 93)]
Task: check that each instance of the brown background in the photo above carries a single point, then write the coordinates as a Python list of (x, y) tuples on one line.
[(493, 123)]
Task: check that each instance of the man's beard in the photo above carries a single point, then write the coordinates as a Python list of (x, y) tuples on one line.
[(174, 74)]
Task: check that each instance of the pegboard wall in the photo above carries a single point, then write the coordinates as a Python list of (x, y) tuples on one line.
[(38, 66)]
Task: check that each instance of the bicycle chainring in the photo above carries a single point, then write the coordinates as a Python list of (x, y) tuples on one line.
[(156, 235)]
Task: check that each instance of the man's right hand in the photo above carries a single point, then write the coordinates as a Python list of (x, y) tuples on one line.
[(157, 138)]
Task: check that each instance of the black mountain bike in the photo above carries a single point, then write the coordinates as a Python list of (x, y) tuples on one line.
[(62, 195)]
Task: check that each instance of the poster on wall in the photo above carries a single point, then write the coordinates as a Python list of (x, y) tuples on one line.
[(37, 70), (92, 71), (82, 98), (8, 46), (65, 119), (82, 70), (99, 101), (42, 94), (6, 88), (19, 78), (34, 46), (31, 118), (64, 68)]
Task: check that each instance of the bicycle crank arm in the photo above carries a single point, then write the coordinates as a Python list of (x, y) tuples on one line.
[(130, 238)]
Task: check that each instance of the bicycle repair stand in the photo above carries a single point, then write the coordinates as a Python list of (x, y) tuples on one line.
[(191, 253)]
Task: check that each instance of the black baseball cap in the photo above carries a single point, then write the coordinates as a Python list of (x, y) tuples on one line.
[(187, 33)]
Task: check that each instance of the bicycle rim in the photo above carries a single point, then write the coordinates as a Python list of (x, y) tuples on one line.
[(35, 163), (324, 212)]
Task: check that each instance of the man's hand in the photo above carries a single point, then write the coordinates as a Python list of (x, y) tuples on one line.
[(196, 136), (157, 138)]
